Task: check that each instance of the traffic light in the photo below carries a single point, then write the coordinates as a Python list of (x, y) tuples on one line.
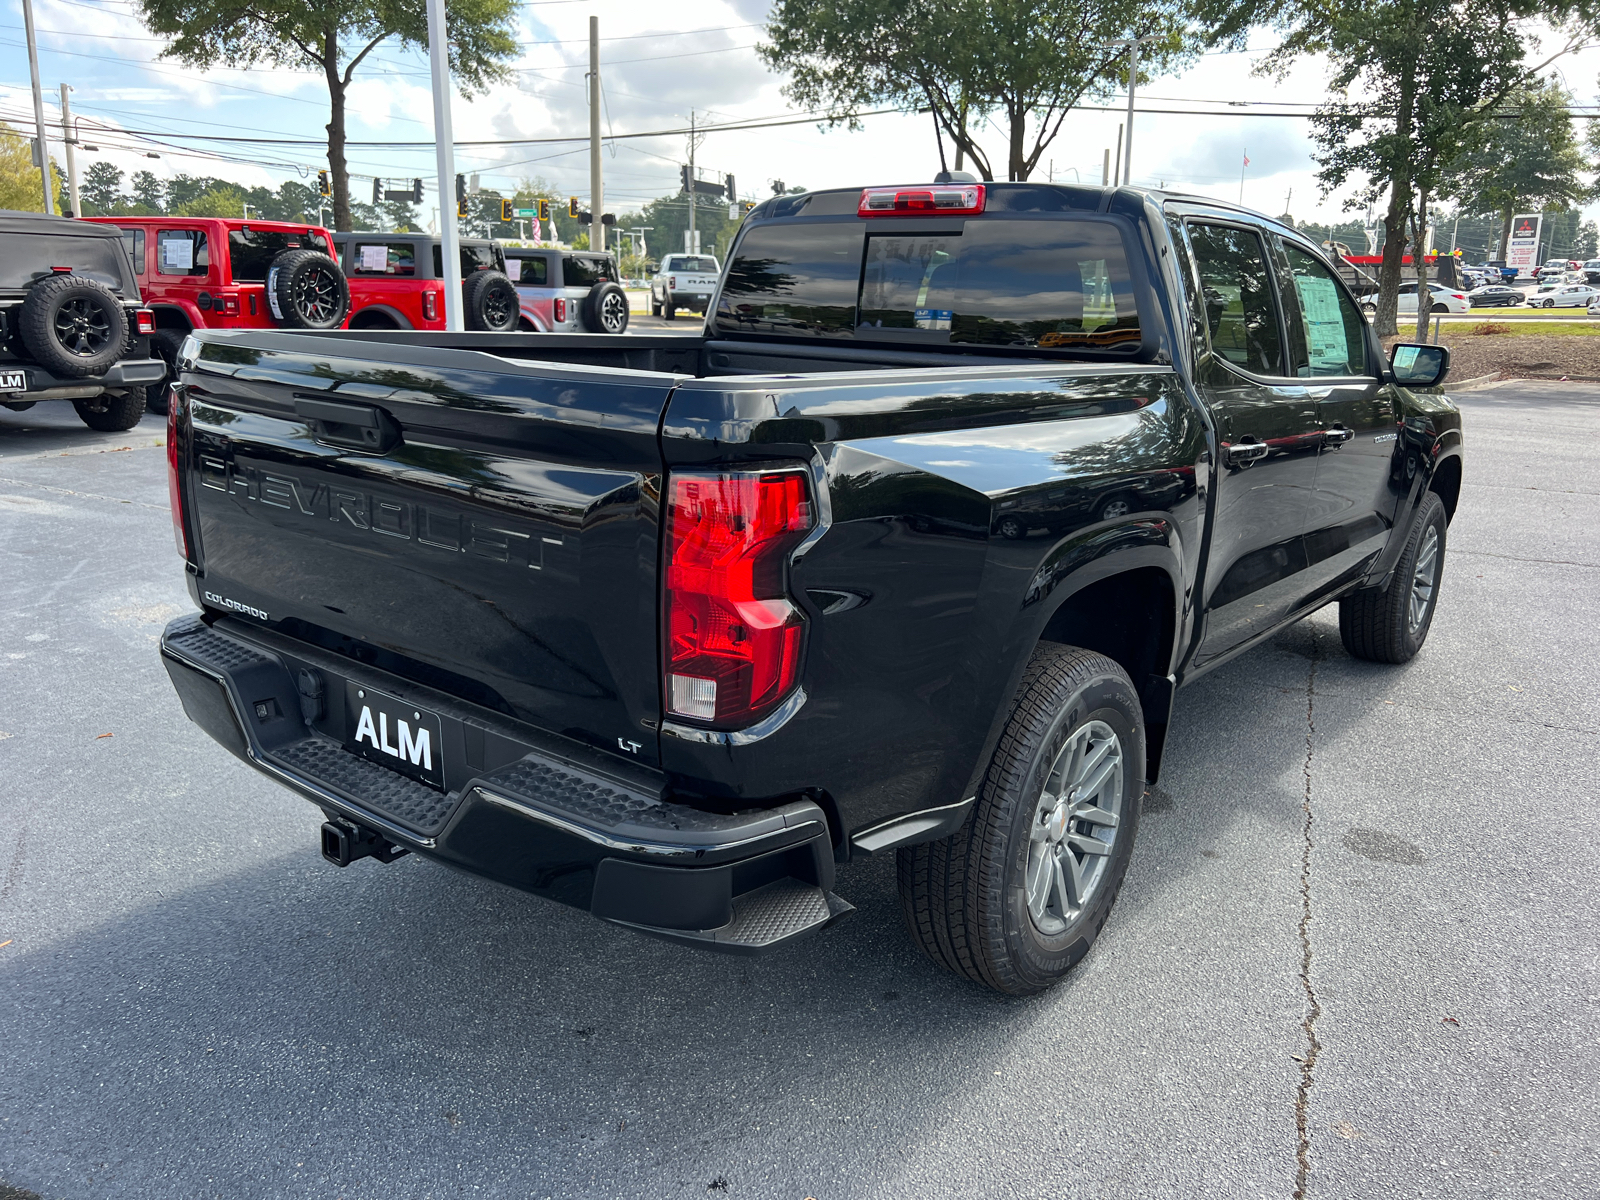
[(688, 179), (324, 187), (608, 218), (777, 187), (377, 190), (416, 191), (461, 192), (461, 208), (572, 206), (505, 212), (733, 192), (544, 210)]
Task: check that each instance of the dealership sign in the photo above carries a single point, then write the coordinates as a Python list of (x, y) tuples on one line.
[(1522, 252)]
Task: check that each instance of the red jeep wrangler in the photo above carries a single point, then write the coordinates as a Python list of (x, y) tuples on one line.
[(231, 273), (397, 282)]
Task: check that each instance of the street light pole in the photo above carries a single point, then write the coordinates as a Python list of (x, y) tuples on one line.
[(1133, 45), (597, 192), (444, 148), (69, 140), (38, 109)]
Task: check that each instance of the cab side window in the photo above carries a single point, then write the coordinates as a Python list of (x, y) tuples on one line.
[(133, 239), (1236, 286), (383, 258), (182, 252), (531, 272), (1327, 333)]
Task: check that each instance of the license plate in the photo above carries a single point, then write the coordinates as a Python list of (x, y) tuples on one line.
[(13, 381), (394, 734)]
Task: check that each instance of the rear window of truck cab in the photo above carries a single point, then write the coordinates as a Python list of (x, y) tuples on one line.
[(1061, 284), (96, 257)]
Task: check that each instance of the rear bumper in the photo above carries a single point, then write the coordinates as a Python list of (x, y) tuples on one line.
[(539, 813), (130, 372)]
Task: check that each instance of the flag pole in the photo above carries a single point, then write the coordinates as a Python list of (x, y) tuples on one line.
[(1242, 166)]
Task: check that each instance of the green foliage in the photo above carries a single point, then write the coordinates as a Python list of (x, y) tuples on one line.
[(216, 202), (1527, 157), (1024, 62), (1425, 76), (20, 186), (333, 38)]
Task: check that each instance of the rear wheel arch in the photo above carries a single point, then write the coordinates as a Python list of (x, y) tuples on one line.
[(378, 316), (1130, 617), (170, 316)]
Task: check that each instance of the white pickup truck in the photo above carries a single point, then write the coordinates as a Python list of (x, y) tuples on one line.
[(683, 281)]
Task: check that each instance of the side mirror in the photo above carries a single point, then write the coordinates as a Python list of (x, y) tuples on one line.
[(1419, 366)]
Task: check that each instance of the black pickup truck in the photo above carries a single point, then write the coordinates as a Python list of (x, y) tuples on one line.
[(909, 551)]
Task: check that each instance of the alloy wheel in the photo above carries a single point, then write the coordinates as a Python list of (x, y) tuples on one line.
[(1425, 579), (82, 328), (317, 296), (613, 312), (1074, 827)]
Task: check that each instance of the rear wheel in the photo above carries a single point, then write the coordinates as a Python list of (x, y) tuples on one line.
[(164, 344), (1391, 625), (655, 305), (605, 309), (73, 326), (669, 311), (1370, 309), (1439, 308), (491, 302), (111, 412), (1016, 897)]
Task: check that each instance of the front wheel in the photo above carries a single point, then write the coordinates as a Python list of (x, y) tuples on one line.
[(1391, 625), (1017, 896)]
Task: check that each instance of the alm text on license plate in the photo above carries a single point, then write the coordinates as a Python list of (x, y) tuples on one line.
[(13, 381), (394, 734)]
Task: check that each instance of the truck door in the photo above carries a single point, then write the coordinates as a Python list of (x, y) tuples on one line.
[(1355, 499), (1267, 425)]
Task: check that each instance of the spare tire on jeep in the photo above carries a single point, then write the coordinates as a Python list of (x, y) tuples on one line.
[(605, 309), (491, 301), (307, 290), (73, 326)]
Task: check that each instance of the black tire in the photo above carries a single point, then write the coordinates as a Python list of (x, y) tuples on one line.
[(605, 309), (112, 412), (1370, 309), (669, 311), (73, 327), (1382, 626), (1440, 308), (655, 305), (1011, 528), (491, 302), (164, 344), (966, 896), (307, 290)]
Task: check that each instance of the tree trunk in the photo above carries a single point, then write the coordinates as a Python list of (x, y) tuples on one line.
[(961, 149), (337, 165), (1395, 220), (1018, 170), (1418, 251), (1505, 231)]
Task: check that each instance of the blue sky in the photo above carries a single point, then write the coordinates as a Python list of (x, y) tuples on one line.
[(659, 64)]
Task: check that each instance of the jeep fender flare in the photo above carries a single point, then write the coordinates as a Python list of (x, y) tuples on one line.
[(189, 315), (401, 321)]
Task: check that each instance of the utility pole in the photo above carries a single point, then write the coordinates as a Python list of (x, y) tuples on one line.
[(597, 199), (690, 247), (38, 109), (70, 141), (445, 152), (1116, 164), (1105, 169)]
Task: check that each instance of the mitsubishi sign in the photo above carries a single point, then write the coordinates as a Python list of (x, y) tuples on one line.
[(1522, 251)]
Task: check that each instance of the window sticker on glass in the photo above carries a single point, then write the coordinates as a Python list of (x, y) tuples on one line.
[(1327, 345), (1405, 357), (375, 258), (177, 252), (933, 318)]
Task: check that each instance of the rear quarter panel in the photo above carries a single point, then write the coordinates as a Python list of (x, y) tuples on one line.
[(907, 681)]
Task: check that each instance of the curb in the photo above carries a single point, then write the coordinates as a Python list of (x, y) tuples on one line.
[(1466, 385)]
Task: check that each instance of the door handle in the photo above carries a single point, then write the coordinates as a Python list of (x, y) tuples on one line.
[(1242, 454), (1337, 435)]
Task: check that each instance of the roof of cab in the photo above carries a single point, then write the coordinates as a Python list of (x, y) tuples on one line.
[(34, 223)]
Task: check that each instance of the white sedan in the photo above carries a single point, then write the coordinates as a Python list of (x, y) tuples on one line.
[(1445, 300), (1569, 295)]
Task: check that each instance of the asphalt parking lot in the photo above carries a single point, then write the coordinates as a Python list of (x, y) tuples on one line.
[(1357, 952)]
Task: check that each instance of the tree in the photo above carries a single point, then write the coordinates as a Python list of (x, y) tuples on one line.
[(1588, 243), (332, 37), (1429, 74), (101, 189), (149, 191), (213, 202), (20, 187), (1026, 61), (1527, 160)]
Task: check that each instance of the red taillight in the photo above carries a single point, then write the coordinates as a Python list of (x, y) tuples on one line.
[(958, 200), (230, 304), (672, 283), (174, 496), (144, 321), (430, 306), (733, 637), (560, 310)]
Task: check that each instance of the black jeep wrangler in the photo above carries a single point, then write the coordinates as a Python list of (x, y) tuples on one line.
[(72, 324)]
